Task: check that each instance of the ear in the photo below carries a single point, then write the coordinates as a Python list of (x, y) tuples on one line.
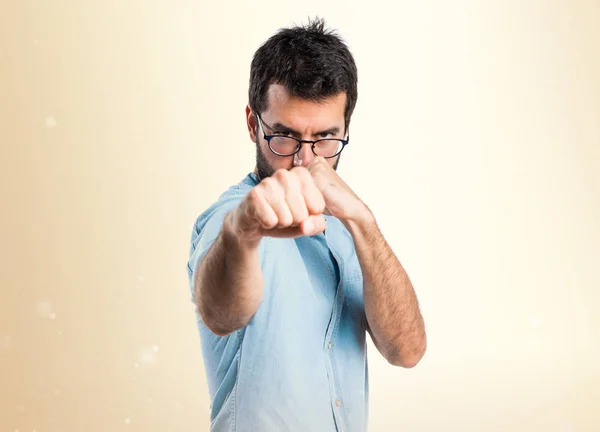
[(251, 123)]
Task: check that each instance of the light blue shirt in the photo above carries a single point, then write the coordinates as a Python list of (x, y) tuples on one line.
[(300, 364)]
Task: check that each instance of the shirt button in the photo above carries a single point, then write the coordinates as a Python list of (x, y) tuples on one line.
[(329, 345), (338, 402)]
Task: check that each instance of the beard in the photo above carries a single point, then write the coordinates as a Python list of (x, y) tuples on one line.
[(264, 169)]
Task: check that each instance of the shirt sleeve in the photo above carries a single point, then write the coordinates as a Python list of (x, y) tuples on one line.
[(218, 352), (206, 229)]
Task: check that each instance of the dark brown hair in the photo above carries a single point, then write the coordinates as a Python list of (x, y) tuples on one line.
[(312, 62)]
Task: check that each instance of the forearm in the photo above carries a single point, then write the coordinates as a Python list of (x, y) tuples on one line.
[(391, 306), (228, 286)]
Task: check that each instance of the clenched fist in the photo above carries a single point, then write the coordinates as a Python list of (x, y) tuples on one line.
[(340, 199), (287, 204)]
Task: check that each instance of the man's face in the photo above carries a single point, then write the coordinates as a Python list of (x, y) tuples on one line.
[(300, 118)]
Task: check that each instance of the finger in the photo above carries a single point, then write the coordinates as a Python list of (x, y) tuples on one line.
[(319, 167), (259, 209), (275, 197), (293, 195), (319, 160), (313, 198), (313, 225), (289, 232), (319, 176)]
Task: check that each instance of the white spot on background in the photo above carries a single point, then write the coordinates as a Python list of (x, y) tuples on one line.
[(155, 348), (127, 420), (5, 342), (50, 122), (136, 365), (142, 278), (52, 316), (44, 310), (148, 356)]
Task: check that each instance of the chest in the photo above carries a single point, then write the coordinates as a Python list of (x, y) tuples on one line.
[(314, 280)]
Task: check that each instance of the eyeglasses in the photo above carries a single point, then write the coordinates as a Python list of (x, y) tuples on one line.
[(288, 146)]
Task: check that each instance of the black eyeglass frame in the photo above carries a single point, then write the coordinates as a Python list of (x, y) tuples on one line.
[(268, 138)]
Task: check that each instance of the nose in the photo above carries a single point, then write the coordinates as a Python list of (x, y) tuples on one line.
[(305, 156)]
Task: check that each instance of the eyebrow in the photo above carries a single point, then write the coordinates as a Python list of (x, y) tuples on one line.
[(280, 127)]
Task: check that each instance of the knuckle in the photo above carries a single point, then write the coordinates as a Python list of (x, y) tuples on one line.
[(254, 195), (283, 178), (319, 161), (297, 174), (292, 179), (299, 170), (302, 174), (268, 185), (281, 174), (316, 167)]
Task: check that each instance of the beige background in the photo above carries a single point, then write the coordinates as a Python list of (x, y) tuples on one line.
[(476, 142)]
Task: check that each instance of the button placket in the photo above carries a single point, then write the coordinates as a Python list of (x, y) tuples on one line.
[(331, 332)]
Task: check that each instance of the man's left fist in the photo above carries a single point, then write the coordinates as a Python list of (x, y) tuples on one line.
[(340, 200)]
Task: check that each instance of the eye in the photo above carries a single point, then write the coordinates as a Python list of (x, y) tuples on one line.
[(327, 135)]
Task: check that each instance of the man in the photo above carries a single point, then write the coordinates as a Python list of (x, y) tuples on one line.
[(288, 269)]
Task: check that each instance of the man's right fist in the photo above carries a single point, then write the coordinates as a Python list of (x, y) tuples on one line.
[(287, 204)]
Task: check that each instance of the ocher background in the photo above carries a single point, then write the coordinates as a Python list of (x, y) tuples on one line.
[(476, 141)]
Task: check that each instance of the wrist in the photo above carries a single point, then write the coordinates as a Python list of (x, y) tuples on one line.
[(237, 235), (361, 221)]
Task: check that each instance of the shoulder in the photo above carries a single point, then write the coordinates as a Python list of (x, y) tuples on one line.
[(212, 218), (209, 223)]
